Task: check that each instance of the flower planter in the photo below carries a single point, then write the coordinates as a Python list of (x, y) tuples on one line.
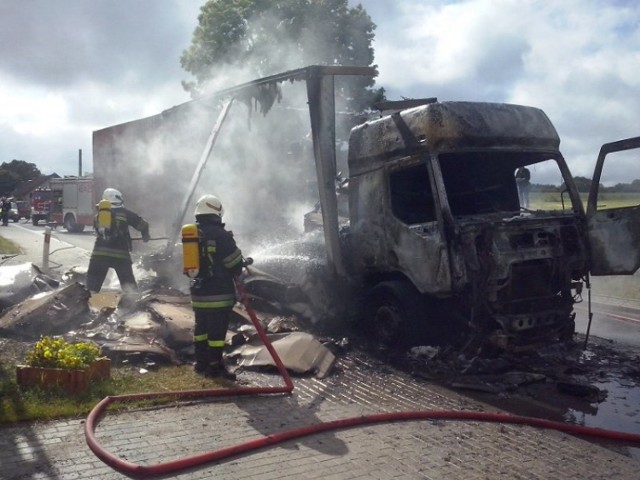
[(74, 381)]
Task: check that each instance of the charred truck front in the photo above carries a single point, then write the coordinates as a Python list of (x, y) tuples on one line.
[(437, 233)]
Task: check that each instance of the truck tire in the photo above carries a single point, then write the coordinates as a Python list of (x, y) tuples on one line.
[(71, 225), (395, 309), (34, 221)]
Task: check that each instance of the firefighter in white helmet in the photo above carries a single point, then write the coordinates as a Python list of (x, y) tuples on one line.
[(212, 286), (113, 242)]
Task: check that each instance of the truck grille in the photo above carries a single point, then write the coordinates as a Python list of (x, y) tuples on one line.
[(530, 279)]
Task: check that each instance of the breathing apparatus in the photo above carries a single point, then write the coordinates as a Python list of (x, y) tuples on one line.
[(104, 216), (110, 198), (206, 205), (190, 250)]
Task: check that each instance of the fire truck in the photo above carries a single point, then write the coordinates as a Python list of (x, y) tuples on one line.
[(41, 202), (69, 201), (73, 203)]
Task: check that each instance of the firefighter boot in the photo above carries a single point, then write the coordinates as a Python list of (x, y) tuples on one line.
[(202, 362), (217, 368)]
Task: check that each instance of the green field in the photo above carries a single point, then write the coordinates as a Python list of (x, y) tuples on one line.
[(553, 201)]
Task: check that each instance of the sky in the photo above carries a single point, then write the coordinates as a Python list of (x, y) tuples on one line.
[(69, 67)]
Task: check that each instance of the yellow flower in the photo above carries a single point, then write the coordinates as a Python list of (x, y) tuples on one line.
[(49, 352)]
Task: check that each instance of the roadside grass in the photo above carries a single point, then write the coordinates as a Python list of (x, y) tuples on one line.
[(553, 200), (7, 247), (17, 404)]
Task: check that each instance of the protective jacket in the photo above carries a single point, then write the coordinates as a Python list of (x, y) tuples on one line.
[(115, 244), (220, 260)]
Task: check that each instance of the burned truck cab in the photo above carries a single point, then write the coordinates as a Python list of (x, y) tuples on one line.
[(449, 240)]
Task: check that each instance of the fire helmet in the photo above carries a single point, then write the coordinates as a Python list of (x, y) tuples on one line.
[(209, 205), (114, 196)]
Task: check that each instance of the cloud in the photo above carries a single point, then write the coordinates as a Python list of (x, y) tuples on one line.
[(59, 44), (577, 60), (69, 68)]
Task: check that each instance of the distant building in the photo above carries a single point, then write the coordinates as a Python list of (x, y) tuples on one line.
[(24, 189)]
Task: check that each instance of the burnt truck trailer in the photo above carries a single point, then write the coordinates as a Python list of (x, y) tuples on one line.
[(436, 239)]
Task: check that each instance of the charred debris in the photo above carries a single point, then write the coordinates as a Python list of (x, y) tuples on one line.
[(157, 329)]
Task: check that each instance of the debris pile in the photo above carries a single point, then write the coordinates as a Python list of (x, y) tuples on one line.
[(157, 328)]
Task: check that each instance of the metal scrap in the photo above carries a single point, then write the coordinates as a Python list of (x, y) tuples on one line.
[(300, 352), (47, 313)]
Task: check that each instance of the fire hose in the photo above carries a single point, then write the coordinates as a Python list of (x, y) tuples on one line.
[(141, 471), (149, 239)]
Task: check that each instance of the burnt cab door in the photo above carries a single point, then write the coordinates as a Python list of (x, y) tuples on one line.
[(613, 214)]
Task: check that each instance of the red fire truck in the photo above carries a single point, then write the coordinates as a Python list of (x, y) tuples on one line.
[(76, 204), (41, 201), (69, 201)]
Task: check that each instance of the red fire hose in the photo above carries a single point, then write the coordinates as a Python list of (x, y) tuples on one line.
[(141, 471)]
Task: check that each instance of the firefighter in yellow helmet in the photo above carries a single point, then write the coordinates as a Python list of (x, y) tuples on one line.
[(212, 286), (113, 242)]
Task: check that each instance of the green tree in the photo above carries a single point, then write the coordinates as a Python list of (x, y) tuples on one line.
[(271, 37), (15, 172), (582, 183)]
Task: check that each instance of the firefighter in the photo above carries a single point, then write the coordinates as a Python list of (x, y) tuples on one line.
[(212, 260), (5, 209), (113, 242)]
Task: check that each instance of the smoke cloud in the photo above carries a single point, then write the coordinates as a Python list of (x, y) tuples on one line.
[(261, 167)]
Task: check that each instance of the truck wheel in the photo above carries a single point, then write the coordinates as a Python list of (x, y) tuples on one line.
[(568, 332), (34, 221), (395, 308), (71, 225)]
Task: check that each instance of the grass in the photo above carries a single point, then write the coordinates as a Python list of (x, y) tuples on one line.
[(33, 404), (7, 247), (553, 201)]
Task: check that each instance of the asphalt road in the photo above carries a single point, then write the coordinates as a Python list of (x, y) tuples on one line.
[(66, 250), (616, 321)]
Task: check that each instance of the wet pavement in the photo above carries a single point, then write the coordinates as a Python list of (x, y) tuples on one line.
[(428, 449)]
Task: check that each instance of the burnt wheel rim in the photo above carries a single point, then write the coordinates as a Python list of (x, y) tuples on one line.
[(388, 321)]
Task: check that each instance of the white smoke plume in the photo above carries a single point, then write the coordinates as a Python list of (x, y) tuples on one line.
[(261, 167)]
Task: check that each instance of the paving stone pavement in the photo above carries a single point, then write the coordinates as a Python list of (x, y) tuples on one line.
[(432, 449)]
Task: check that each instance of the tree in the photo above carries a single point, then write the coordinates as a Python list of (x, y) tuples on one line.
[(14, 173), (583, 184), (270, 37)]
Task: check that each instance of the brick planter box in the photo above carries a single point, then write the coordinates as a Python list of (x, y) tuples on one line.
[(74, 381)]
